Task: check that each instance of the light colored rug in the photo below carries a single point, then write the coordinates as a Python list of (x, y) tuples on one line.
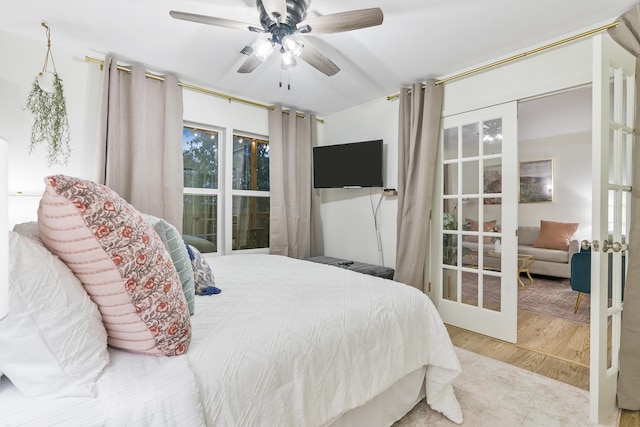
[(496, 394)]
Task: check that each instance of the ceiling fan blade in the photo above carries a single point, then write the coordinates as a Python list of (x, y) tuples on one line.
[(276, 6), (250, 64), (212, 20), (342, 21), (317, 60)]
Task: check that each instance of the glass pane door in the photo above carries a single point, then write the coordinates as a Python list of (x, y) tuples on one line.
[(612, 151), (477, 274)]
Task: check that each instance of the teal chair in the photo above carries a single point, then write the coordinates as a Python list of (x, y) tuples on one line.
[(581, 274)]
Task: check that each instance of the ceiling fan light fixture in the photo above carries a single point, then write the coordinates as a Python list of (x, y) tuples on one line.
[(287, 61), (262, 49), (492, 132), (292, 45), (284, 23)]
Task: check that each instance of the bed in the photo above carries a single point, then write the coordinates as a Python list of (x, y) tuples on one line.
[(287, 342)]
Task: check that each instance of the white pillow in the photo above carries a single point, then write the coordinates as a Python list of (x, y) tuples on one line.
[(52, 342), (30, 230)]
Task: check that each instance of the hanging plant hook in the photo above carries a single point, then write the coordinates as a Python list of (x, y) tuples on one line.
[(49, 52)]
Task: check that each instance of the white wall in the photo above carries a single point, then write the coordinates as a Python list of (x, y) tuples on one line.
[(20, 61), (346, 213), (557, 69), (572, 181), (558, 127), (347, 217)]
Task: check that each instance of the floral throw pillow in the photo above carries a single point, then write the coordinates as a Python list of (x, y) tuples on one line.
[(121, 262), (202, 273)]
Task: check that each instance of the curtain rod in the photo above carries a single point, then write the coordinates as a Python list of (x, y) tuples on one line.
[(517, 56), (200, 89)]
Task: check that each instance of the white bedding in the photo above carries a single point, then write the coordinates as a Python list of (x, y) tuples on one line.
[(134, 390), (286, 343), (292, 343)]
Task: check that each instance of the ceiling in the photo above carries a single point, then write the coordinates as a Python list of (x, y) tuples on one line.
[(557, 114), (418, 39)]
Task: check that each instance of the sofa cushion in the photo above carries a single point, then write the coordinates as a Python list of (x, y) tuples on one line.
[(527, 235), (542, 254), (555, 235), (473, 246)]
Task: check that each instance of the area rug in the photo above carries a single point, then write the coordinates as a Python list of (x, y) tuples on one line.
[(493, 393), (546, 295), (554, 297)]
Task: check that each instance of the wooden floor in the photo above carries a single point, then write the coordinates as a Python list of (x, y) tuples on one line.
[(549, 346)]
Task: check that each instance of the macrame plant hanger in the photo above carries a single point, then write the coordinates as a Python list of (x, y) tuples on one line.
[(47, 78), (47, 104)]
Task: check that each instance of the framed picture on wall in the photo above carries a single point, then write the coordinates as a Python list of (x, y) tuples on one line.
[(536, 181), (492, 184)]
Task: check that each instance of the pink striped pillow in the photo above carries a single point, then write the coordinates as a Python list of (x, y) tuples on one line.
[(121, 262)]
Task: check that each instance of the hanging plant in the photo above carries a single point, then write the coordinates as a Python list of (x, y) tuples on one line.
[(47, 103)]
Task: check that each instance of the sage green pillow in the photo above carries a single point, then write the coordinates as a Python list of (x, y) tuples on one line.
[(172, 240)]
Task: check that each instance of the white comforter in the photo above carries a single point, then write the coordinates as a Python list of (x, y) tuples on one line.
[(294, 343), (286, 343)]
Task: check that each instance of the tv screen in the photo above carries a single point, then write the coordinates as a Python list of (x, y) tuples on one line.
[(353, 165)]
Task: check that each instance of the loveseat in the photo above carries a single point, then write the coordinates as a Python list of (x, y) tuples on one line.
[(549, 262), (546, 247)]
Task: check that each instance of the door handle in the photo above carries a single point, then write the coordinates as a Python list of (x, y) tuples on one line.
[(615, 246), (606, 246)]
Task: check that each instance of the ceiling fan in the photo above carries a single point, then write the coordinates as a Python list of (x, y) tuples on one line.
[(284, 23)]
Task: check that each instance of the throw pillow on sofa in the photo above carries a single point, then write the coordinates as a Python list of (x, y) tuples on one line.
[(488, 226), (555, 235)]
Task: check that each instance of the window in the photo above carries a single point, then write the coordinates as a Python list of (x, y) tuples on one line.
[(200, 152), (241, 206), (250, 190)]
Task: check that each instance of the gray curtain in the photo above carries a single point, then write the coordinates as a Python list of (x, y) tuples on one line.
[(418, 135), (627, 36), (295, 228), (140, 141)]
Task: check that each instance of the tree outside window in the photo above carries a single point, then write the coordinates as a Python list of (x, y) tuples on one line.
[(246, 189), (200, 151), (250, 183)]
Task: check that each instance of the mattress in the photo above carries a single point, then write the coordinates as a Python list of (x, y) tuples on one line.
[(293, 342)]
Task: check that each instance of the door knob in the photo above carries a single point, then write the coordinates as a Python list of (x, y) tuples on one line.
[(615, 246)]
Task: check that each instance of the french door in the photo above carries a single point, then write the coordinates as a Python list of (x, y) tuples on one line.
[(613, 122), (477, 216)]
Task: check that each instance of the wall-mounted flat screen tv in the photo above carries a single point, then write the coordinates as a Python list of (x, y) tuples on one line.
[(352, 165)]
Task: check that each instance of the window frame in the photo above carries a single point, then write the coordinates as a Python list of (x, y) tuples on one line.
[(211, 191), (225, 192), (228, 195)]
